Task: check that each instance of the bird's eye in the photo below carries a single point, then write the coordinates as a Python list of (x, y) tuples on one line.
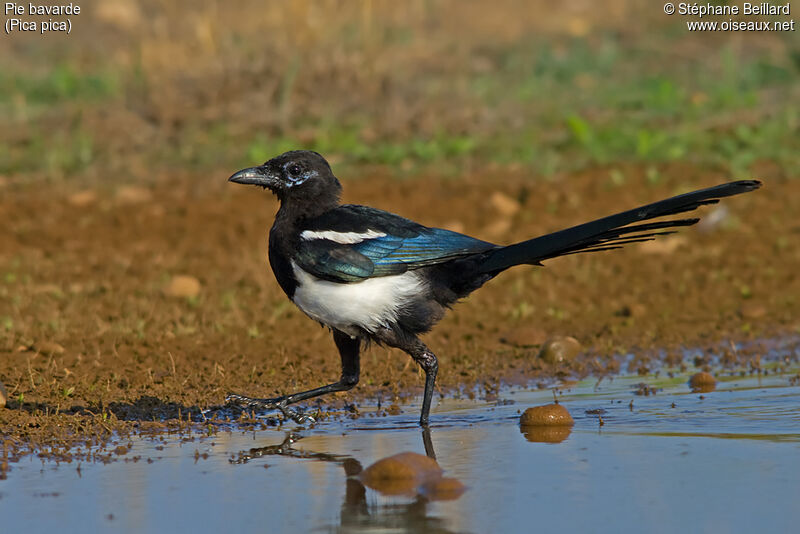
[(294, 170)]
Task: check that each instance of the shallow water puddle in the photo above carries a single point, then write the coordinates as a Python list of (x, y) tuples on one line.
[(722, 461)]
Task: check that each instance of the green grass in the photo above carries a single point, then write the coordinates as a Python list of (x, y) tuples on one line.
[(685, 112), (550, 108), (60, 84)]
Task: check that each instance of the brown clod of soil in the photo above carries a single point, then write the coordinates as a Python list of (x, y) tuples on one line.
[(560, 349), (547, 415), (702, 382), (524, 336), (48, 347), (82, 199), (753, 310), (132, 194), (443, 489), (3, 395), (400, 474), (183, 286), (504, 204), (546, 434)]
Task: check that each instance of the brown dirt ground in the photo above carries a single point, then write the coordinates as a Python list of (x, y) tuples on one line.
[(92, 342)]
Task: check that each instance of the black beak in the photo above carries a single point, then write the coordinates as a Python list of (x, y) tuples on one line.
[(255, 176)]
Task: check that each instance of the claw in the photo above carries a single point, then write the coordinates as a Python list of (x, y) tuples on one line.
[(301, 418), (295, 415), (248, 402), (269, 404)]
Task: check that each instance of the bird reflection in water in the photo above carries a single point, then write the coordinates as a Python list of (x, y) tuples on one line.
[(408, 474)]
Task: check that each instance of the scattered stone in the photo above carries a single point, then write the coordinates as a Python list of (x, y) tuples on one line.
[(504, 204), (3, 395), (131, 194), (183, 285), (546, 434), (560, 349), (524, 336), (753, 310), (400, 474), (48, 347), (82, 198), (443, 489), (547, 415), (702, 382)]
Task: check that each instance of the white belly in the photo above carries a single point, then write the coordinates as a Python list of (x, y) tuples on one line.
[(369, 305)]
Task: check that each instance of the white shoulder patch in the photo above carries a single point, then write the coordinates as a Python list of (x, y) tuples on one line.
[(343, 238), (369, 304)]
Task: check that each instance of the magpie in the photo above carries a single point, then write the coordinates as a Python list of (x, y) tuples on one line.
[(369, 275)]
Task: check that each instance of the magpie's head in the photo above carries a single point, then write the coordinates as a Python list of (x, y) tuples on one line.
[(296, 175)]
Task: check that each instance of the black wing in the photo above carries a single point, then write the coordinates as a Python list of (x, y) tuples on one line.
[(352, 243)]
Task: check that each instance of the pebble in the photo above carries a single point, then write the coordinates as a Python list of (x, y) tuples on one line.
[(504, 204), (547, 415), (131, 194), (400, 474), (183, 285), (560, 349), (82, 198), (702, 382), (48, 347), (546, 434), (443, 489), (524, 336), (753, 310), (3, 395)]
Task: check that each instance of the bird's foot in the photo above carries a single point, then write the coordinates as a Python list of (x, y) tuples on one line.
[(249, 402), (279, 403)]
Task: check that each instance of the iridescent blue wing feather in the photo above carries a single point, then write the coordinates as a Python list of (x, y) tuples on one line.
[(398, 245), (431, 246)]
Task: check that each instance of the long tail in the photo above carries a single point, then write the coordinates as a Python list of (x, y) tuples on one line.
[(613, 231)]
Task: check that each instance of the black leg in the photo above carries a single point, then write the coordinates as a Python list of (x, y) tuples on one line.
[(348, 350), (427, 360), (427, 442), (423, 356)]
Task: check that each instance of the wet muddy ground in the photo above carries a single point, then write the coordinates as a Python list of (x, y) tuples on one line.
[(130, 309), (665, 461)]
